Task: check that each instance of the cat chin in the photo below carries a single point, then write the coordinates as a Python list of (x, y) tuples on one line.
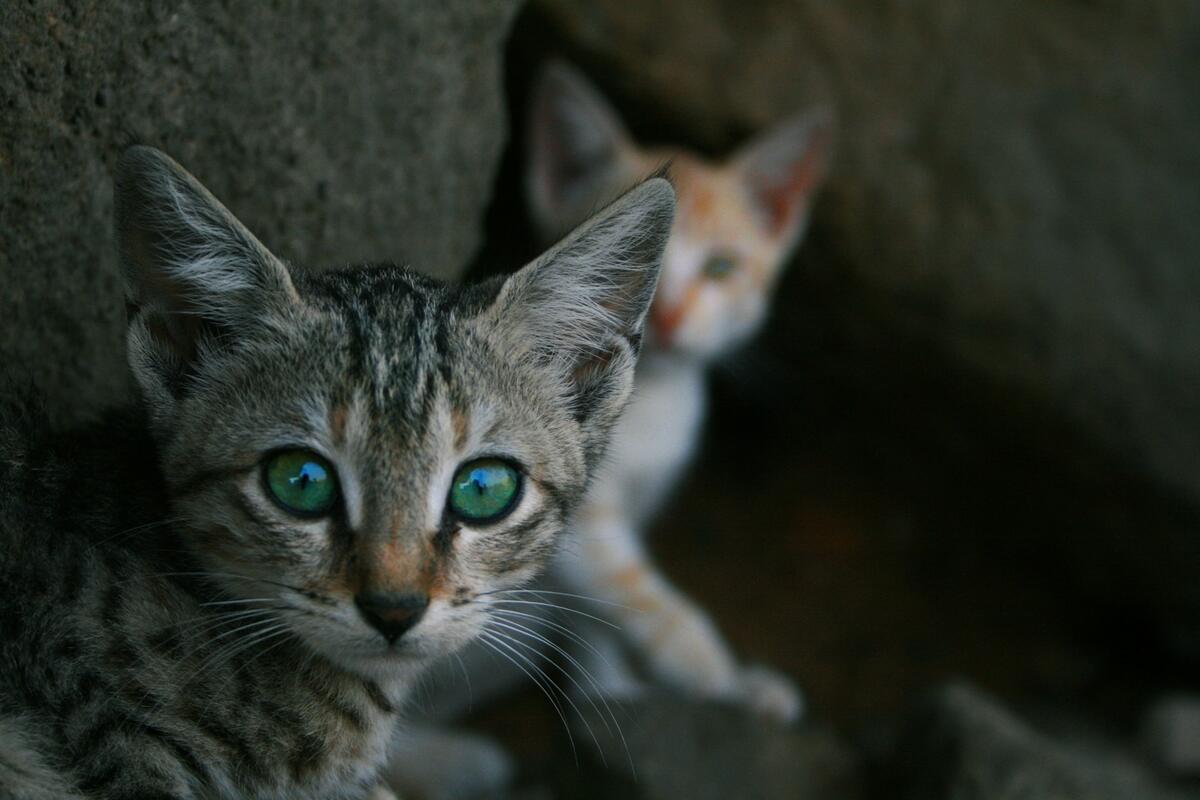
[(387, 664), (402, 661)]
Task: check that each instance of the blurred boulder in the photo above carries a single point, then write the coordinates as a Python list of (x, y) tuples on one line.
[(1171, 733), (1017, 190), (339, 132), (962, 745), (671, 748)]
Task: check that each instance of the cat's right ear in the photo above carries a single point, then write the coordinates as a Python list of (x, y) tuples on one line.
[(783, 168), (575, 148), (195, 277)]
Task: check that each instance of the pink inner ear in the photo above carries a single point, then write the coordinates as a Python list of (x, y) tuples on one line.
[(783, 197)]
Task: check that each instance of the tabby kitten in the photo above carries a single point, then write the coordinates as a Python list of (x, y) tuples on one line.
[(737, 223), (228, 590)]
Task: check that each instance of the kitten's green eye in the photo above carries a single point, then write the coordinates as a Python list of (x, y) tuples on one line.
[(301, 482), (719, 267), (485, 490)]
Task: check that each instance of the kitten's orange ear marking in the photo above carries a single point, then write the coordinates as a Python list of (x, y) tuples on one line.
[(784, 167)]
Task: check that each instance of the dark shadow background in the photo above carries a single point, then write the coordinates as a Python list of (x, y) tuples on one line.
[(872, 511)]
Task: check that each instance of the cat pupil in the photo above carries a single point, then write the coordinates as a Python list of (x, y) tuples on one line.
[(309, 473), (719, 266)]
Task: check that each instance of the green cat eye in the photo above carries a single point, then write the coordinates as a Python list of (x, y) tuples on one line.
[(719, 267), (301, 482), (485, 490)]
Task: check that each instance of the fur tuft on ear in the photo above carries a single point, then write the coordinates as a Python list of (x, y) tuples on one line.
[(783, 168), (194, 275), (575, 152), (581, 307)]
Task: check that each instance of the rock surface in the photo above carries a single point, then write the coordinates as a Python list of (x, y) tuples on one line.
[(339, 132), (1015, 190), (1171, 733), (963, 746), (690, 750)]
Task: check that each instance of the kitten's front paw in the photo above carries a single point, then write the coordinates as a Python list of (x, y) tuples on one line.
[(769, 693)]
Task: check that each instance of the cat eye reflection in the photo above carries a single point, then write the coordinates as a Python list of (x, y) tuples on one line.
[(719, 267), (485, 490), (301, 482)]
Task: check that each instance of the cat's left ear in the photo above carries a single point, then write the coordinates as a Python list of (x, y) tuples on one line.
[(579, 310), (197, 281), (783, 168)]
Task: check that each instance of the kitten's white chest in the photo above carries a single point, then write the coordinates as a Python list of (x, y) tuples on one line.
[(656, 436)]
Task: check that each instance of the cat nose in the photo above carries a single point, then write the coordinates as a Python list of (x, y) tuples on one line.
[(392, 613)]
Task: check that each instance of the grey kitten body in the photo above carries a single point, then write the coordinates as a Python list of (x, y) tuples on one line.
[(170, 630)]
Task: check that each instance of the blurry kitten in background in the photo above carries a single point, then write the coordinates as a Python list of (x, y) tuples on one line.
[(737, 223)]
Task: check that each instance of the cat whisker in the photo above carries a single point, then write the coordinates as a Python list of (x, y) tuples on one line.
[(135, 529), (597, 691), (236, 576), (212, 621), (540, 592), (281, 635), (554, 606), (467, 678), (520, 629), (270, 619), (222, 653), (509, 643), (231, 650), (488, 641), (241, 601), (507, 613)]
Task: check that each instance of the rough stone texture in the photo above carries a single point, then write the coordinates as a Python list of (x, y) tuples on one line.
[(339, 132), (1171, 733), (963, 746), (689, 750), (1015, 190)]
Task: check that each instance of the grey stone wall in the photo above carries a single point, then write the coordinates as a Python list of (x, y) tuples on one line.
[(339, 132)]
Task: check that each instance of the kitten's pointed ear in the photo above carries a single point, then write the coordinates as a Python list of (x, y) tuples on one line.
[(575, 147), (783, 168), (580, 308), (195, 277)]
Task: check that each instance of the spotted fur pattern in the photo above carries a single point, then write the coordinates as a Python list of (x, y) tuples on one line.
[(167, 630)]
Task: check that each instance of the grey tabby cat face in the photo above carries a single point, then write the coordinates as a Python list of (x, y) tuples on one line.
[(394, 380)]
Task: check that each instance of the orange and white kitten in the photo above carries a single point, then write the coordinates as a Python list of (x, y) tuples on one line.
[(737, 222)]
